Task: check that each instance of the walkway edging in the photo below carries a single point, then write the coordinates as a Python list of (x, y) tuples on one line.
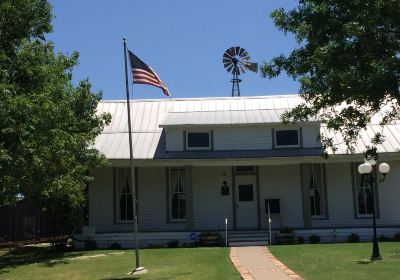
[(244, 273), (281, 266)]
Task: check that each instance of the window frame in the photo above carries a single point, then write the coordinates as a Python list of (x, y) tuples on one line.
[(198, 148), (118, 197), (323, 193), (355, 188), (276, 145), (170, 195)]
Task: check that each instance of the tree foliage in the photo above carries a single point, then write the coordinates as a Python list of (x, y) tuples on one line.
[(347, 62), (48, 125)]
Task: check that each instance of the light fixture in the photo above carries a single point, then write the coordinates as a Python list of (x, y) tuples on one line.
[(371, 179)]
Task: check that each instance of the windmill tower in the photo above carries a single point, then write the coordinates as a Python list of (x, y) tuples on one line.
[(236, 60)]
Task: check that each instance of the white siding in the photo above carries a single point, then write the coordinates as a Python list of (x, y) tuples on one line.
[(284, 183), (341, 204), (174, 139), (209, 206), (389, 196), (153, 201), (101, 198), (310, 136), (243, 138)]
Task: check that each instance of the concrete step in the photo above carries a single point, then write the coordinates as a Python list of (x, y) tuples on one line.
[(248, 243), (248, 238)]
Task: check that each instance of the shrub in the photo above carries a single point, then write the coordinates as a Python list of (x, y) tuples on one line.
[(353, 238), (314, 239), (301, 240), (115, 246), (396, 236), (286, 230), (90, 244), (155, 246), (383, 238), (173, 244)]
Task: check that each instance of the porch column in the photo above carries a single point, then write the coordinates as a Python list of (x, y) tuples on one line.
[(189, 197), (305, 169)]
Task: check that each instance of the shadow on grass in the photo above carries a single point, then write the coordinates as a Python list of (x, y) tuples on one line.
[(136, 277), (33, 255)]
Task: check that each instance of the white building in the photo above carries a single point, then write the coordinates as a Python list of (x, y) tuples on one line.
[(186, 150)]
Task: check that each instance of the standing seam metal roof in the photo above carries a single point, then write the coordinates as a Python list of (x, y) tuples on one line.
[(148, 115)]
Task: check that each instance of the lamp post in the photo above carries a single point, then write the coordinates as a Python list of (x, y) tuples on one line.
[(367, 176)]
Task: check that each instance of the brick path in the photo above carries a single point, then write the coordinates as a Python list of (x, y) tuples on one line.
[(257, 263)]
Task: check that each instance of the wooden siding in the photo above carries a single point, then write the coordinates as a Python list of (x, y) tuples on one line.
[(209, 206), (340, 198), (243, 138), (153, 211), (258, 137), (174, 140), (282, 182), (310, 134), (101, 195)]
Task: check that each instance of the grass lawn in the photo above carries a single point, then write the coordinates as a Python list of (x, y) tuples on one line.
[(182, 263), (340, 261)]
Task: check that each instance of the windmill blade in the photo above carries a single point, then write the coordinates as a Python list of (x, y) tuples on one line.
[(230, 51), (227, 60), (227, 55), (230, 67), (242, 69), (242, 52), (237, 49), (226, 65), (251, 66)]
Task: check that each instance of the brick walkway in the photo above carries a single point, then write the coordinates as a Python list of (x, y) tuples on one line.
[(257, 263)]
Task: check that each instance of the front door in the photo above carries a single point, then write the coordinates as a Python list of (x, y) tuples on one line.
[(246, 202)]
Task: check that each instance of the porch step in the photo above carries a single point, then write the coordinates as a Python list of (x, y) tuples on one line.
[(248, 243), (248, 238)]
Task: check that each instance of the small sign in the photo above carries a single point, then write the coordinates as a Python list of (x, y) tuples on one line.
[(193, 236)]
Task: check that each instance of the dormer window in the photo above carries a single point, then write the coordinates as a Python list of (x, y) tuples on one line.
[(198, 140), (287, 138)]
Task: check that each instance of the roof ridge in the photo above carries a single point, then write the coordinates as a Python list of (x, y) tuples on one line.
[(203, 98)]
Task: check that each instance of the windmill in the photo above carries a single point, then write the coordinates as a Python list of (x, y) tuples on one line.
[(236, 60)]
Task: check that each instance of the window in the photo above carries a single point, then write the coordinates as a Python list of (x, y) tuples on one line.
[(177, 195), (245, 192), (244, 169), (317, 191), (198, 140), (363, 195), (287, 138), (30, 227), (124, 196)]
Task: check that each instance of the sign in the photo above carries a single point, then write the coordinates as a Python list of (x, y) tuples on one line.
[(193, 236)]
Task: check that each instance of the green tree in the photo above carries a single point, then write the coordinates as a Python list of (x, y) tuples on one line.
[(48, 125), (347, 62)]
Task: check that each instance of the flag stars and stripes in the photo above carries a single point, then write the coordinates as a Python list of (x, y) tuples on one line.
[(144, 74)]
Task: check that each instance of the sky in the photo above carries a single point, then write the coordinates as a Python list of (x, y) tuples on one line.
[(183, 41)]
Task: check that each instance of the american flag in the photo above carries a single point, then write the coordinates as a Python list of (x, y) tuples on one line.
[(143, 74)]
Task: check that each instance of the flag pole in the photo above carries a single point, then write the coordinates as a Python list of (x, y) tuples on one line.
[(132, 169)]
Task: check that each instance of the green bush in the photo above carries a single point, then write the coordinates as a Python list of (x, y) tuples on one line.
[(286, 230), (353, 238), (115, 246), (90, 244), (396, 236), (173, 244), (301, 240), (383, 238), (314, 239)]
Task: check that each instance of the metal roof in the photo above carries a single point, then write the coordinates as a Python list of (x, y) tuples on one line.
[(149, 117)]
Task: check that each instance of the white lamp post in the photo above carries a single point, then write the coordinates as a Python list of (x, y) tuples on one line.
[(367, 176)]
